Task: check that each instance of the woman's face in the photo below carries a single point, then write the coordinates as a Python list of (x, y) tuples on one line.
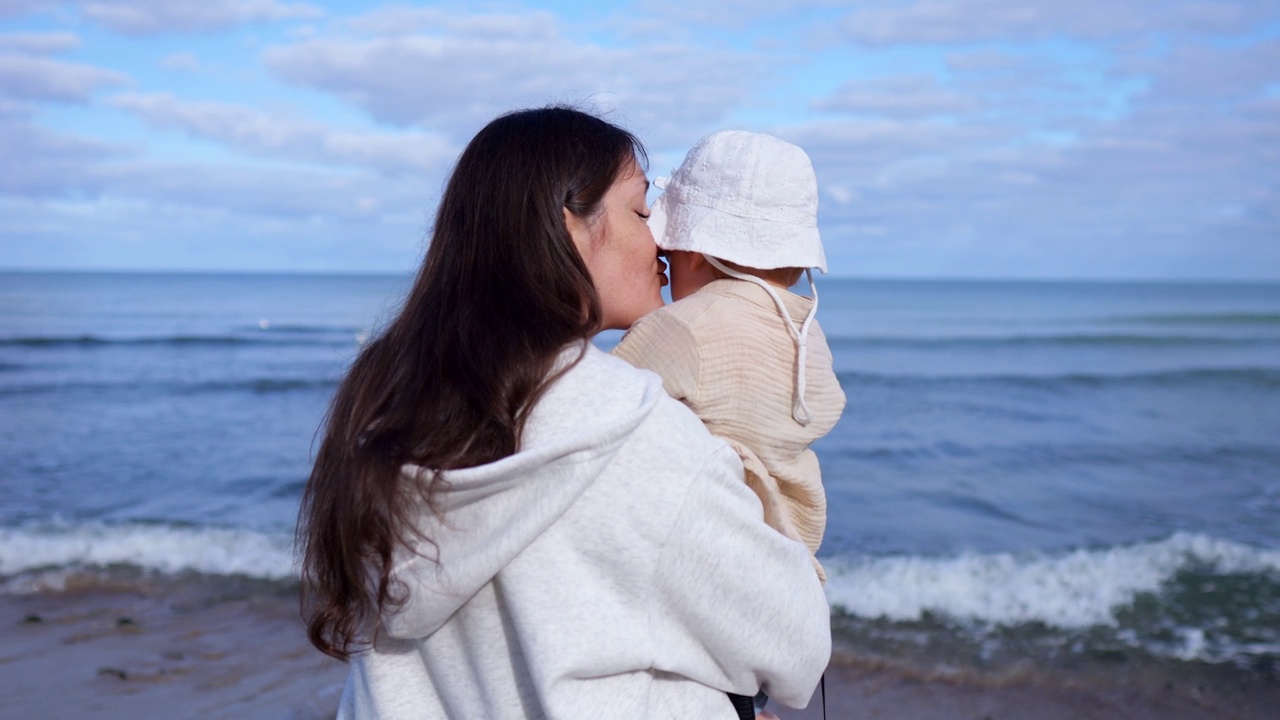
[(619, 251)]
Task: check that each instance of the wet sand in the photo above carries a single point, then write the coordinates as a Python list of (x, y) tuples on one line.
[(190, 650), (173, 654), (858, 690)]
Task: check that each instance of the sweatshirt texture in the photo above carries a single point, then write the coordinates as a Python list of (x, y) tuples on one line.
[(609, 569), (725, 352)]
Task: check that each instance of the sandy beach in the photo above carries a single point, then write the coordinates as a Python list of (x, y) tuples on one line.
[(180, 651), (867, 689), (199, 648)]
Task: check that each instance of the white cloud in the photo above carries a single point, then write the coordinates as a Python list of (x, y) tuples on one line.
[(260, 133), (454, 72), (10, 8), (735, 14), (1194, 73), (983, 60), (282, 193), (868, 149), (79, 202), (400, 20), (182, 61), (140, 214), (60, 168), (149, 17), (52, 164), (24, 77), (958, 21), (121, 232), (37, 43), (444, 73), (904, 95), (1185, 182)]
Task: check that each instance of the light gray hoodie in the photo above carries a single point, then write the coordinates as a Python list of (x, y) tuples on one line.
[(609, 569)]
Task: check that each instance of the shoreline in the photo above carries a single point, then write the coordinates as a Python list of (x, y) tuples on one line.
[(223, 648)]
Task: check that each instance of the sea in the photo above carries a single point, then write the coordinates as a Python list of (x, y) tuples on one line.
[(1051, 471)]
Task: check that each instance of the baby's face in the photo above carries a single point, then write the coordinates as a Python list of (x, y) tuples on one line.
[(689, 272)]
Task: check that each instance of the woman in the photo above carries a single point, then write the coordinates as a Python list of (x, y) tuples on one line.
[(504, 522)]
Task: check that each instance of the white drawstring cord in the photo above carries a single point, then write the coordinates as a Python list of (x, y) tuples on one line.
[(799, 410)]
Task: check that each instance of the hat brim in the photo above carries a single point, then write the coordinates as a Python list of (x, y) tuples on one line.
[(727, 237)]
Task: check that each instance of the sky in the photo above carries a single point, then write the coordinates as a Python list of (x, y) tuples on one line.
[(1097, 139)]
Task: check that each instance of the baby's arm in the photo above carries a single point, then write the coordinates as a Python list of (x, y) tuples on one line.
[(663, 343)]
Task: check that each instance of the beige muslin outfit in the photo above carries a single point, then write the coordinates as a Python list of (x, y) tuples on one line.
[(725, 353)]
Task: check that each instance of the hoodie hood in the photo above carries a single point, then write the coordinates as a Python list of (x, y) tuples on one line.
[(490, 513)]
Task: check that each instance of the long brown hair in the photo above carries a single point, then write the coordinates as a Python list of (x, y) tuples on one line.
[(450, 381)]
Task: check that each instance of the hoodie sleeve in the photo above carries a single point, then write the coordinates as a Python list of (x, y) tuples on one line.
[(736, 605)]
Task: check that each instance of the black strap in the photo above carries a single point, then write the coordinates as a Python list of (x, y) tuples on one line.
[(744, 705), (823, 684)]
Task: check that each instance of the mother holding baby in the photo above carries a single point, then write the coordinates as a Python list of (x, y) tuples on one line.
[(503, 521)]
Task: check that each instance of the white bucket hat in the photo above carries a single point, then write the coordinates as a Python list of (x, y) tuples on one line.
[(751, 199), (745, 197)]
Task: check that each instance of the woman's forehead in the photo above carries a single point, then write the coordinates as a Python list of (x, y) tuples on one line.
[(633, 178)]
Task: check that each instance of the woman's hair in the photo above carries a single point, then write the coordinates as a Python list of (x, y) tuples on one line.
[(450, 382)]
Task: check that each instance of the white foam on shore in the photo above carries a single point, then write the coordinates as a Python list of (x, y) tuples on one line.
[(161, 548), (1072, 590)]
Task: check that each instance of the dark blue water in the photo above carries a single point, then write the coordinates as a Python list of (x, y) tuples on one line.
[(1013, 454), (1017, 416)]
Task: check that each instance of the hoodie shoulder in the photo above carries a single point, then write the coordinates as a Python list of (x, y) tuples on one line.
[(598, 391), (486, 515)]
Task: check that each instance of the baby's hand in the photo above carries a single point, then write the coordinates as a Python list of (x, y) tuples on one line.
[(766, 715)]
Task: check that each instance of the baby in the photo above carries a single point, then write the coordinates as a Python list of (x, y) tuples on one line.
[(738, 222)]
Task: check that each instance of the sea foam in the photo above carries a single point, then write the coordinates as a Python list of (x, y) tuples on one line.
[(1073, 590), (161, 548)]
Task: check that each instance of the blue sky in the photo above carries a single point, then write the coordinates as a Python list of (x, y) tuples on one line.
[(952, 138)]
